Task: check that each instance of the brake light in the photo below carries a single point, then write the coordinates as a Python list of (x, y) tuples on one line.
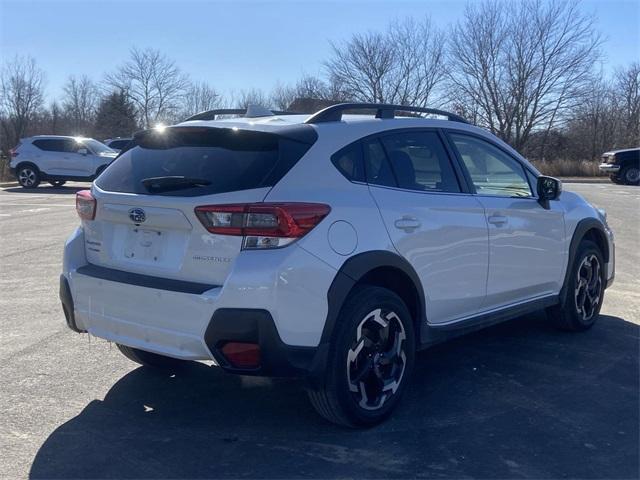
[(263, 225), (13, 153), (85, 205)]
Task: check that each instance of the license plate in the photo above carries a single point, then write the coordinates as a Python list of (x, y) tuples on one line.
[(144, 245)]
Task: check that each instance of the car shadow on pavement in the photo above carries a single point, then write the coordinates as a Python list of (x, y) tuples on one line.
[(519, 399)]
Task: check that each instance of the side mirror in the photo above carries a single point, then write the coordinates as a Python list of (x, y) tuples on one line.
[(82, 151), (549, 188)]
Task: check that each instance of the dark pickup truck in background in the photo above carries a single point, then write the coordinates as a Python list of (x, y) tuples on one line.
[(623, 166)]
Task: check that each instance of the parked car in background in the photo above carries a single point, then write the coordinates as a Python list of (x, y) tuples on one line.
[(623, 166), (117, 143), (330, 247), (57, 159)]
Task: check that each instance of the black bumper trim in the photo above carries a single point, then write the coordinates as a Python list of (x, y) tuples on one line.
[(257, 326), (147, 281), (67, 305)]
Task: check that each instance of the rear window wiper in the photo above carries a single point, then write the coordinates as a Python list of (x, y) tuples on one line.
[(172, 182)]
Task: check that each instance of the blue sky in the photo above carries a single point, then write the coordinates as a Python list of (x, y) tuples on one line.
[(240, 44)]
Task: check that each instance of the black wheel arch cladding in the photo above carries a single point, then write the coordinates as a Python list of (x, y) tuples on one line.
[(583, 231), (354, 270)]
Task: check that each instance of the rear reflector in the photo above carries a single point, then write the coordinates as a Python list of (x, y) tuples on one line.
[(85, 205), (263, 225), (242, 355)]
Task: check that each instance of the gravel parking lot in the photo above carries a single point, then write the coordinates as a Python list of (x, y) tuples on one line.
[(517, 400)]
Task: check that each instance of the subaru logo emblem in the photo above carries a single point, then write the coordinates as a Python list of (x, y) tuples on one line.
[(137, 215)]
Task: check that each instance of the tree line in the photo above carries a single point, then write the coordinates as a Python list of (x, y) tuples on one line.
[(528, 71)]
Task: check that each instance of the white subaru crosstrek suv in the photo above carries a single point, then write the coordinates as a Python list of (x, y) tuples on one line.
[(331, 248), (58, 159)]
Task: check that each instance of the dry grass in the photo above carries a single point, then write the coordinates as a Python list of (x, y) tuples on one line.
[(568, 168)]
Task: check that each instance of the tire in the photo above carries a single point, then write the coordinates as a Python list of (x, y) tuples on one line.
[(28, 176), (149, 359), (362, 346), (630, 175), (57, 183), (585, 291)]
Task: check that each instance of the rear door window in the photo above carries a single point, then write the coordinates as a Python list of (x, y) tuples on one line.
[(377, 165), (420, 162), (202, 161), (52, 144)]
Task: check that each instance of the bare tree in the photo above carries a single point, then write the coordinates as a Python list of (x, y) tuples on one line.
[(80, 101), (524, 64), (308, 88), (21, 96), (153, 82), (200, 97), (402, 65), (627, 91), (252, 96)]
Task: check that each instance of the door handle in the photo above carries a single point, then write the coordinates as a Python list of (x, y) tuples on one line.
[(407, 223), (498, 219)]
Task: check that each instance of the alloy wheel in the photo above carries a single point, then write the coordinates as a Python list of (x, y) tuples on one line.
[(27, 177), (588, 287), (632, 175), (376, 360)]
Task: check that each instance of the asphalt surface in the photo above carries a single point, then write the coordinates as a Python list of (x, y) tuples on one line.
[(517, 400)]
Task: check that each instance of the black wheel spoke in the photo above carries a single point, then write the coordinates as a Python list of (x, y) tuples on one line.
[(588, 287), (376, 361)]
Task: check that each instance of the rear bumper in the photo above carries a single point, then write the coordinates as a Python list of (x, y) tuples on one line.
[(609, 168), (283, 314)]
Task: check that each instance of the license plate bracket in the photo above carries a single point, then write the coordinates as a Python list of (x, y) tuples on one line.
[(144, 245)]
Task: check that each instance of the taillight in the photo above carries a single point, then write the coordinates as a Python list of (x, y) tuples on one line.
[(85, 205), (263, 225), (13, 152)]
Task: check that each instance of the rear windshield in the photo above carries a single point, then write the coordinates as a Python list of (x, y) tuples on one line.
[(202, 161)]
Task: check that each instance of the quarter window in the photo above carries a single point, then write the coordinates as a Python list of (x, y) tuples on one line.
[(492, 171), (349, 162), (420, 162)]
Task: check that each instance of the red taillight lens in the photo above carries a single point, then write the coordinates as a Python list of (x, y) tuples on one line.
[(242, 355), (264, 225), (85, 205), (13, 152)]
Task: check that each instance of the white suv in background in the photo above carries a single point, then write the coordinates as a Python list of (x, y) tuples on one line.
[(57, 159), (331, 248), (117, 143)]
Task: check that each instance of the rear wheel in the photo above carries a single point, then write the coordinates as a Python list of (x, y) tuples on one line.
[(585, 291), (28, 176), (631, 175), (370, 360), (57, 183), (149, 359)]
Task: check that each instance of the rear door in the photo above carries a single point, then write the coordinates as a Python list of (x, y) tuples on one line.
[(150, 227), (432, 223), (49, 155), (527, 251)]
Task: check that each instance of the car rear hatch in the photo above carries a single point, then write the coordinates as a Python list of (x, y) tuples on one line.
[(145, 221)]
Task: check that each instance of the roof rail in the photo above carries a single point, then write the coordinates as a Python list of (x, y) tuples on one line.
[(252, 111), (334, 112)]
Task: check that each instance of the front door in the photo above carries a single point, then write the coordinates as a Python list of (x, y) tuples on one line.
[(526, 241)]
